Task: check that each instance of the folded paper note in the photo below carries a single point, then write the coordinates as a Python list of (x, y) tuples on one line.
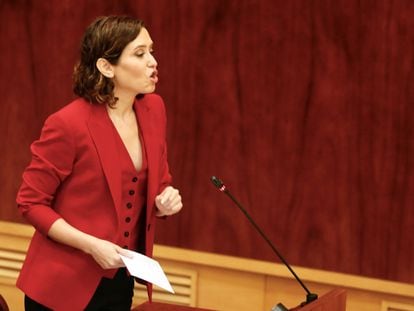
[(146, 269)]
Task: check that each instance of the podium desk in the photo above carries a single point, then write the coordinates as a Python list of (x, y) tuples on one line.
[(335, 300), (158, 306)]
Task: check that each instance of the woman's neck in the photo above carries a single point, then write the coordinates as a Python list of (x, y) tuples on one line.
[(123, 111)]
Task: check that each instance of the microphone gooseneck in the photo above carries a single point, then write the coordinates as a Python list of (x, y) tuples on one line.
[(220, 185)]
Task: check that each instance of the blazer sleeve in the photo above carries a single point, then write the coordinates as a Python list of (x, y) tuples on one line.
[(53, 156), (165, 176)]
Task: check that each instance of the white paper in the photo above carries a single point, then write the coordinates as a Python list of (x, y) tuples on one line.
[(147, 269)]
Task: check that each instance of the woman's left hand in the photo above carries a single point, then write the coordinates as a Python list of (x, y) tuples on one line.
[(168, 202)]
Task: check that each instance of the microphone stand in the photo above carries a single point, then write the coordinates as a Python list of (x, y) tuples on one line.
[(309, 296)]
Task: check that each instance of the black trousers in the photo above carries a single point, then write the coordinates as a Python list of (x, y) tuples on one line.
[(110, 295)]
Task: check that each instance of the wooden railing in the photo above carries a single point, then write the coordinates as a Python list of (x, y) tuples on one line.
[(223, 282)]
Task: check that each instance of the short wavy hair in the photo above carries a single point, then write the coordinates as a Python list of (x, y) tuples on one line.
[(105, 38)]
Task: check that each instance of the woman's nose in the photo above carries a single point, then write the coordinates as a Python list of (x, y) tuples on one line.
[(152, 62)]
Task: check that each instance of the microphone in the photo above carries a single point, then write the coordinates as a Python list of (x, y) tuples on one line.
[(309, 296)]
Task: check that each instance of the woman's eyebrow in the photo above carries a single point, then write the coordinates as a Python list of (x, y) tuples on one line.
[(140, 46)]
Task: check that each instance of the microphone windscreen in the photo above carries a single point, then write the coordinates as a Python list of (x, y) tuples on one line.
[(216, 182)]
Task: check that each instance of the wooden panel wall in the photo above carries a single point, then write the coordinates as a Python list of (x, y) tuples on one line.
[(224, 283)]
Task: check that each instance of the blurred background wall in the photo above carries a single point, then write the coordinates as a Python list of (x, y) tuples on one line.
[(305, 109)]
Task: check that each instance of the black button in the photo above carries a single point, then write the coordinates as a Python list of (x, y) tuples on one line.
[(126, 234), (134, 179), (126, 246), (129, 205), (131, 192), (149, 227), (128, 219)]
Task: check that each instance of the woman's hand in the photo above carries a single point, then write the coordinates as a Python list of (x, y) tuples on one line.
[(106, 253), (168, 202)]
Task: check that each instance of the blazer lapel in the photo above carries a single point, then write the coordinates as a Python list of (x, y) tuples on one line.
[(102, 134), (150, 140)]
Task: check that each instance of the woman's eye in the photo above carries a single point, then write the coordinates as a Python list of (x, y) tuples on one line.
[(140, 53)]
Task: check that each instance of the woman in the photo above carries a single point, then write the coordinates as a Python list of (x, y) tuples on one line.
[(98, 177)]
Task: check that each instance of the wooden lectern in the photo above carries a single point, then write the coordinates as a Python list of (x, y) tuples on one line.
[(157, 306), (335, 300)]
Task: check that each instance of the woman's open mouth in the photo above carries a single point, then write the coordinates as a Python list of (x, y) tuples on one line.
[(154, 76)]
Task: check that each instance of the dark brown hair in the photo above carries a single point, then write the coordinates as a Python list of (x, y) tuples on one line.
[(105, 38)]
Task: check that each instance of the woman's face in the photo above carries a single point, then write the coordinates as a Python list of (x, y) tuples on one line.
[(136, 70)]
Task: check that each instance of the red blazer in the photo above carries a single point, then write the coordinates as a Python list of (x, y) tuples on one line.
[(74, 175)]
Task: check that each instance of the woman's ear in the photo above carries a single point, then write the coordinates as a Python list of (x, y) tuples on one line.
[(105, 67)]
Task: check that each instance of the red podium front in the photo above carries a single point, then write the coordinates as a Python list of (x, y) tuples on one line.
[(157, 306), (335, 300)]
